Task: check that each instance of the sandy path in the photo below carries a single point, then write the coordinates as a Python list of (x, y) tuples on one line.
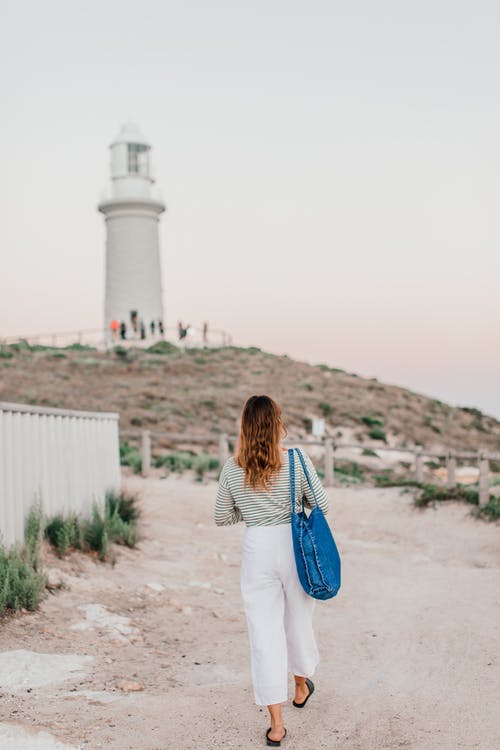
[(409, 648)]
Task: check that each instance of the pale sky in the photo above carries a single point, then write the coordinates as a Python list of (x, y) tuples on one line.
[(331, 170)]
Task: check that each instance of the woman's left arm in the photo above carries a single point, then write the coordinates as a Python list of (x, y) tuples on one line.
[(226, 512)]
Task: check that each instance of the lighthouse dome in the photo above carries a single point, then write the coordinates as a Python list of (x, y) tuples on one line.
[(130, 132)]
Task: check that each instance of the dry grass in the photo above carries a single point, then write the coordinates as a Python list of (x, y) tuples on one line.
[(202, 391)]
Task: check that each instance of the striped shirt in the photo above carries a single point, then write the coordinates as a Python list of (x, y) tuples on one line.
[(235, 502)]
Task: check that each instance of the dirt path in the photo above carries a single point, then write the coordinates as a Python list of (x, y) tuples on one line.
[(409, 648)]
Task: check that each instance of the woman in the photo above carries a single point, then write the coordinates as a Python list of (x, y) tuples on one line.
[(254, 488)]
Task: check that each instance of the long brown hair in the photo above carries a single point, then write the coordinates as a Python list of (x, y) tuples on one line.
[(259, 452)]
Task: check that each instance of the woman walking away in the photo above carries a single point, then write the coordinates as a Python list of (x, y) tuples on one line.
[(254, 488)]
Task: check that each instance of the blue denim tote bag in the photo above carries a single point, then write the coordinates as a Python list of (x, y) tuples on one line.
[(316, 554)]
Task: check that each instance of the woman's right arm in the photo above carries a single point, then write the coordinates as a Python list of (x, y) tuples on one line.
[(226, 512)]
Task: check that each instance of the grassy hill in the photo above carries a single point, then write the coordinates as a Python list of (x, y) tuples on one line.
[(202, 391)]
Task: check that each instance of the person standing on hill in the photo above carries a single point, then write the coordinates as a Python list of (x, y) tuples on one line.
[(114, 327), (254, 487)]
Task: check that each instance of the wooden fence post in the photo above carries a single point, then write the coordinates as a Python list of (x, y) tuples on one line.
[(484, 479), (419, 473), (329, 469), (451, 467), (223, 449), (146, 452)]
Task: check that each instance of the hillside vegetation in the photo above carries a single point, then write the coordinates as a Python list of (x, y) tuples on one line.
[(201, 391)]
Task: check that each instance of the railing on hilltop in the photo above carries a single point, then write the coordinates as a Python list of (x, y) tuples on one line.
[(482, 457), (101, 338)]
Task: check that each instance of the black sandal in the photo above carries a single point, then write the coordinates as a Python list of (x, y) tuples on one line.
[(274, 743), (310, 685)]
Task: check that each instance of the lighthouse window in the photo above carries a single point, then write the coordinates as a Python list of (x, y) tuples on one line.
[(137, 159)]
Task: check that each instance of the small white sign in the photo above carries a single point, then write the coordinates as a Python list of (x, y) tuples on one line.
[(318, 427)]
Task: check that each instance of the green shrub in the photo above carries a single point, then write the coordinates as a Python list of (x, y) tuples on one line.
[(130, 456), (208, 403), (429, 423), (350, 471), (120, 514), (491, 510), (123, 504), (33, 530), (430, 493), (472, 410), (118, 523), (180, 461), (325, 408), (376, 433), (20, 346), (203, 463), (307, 386), (117, 530), (369, 452), (388, 479), (439, 404), (65, 533), (80, 348), (372, 421), (163, 347), (307, 423), (5, 353), (95, 533), (120, 351), (22, 583)]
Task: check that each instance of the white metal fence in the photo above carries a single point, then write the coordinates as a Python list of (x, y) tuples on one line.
[(65, 459)]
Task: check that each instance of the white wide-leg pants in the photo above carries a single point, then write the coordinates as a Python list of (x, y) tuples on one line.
[(278, 612)]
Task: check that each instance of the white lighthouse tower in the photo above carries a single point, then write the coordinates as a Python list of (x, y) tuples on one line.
[(132, 207)]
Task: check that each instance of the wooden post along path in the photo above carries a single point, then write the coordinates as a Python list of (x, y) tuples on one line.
[(223, 449), (451, 468), (484, 479), (419, 469), (146, 452), (329, 468)]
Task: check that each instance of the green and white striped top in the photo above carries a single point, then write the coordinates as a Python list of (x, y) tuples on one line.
[(235, 502)]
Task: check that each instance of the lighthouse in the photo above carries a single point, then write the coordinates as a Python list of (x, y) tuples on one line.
[(132, 207)]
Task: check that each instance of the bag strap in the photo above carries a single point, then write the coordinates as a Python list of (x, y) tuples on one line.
[(291, 463), (302, 461)]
